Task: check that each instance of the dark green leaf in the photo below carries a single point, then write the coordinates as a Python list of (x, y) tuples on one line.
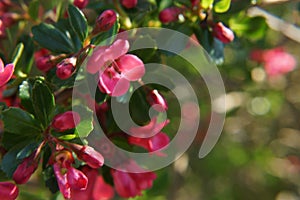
[(78, 22), (9, 140), (51, 38), (222, 6), (25, 94), (34, 9), (20, 122), (84, 128), (10, 162), (43, 102), (27, 150), (50, 179)]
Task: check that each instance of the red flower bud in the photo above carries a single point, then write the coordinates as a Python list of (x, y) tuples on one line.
[(81, 3), (66, 68), (8, 191), (106, 20), (89, 155), (155, 98), (62, 181), (129, 3), (223, 33), (76, 179), (65, 121), (169, 15), (25, 169), (44, 63)]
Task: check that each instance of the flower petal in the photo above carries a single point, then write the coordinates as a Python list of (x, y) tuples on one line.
[(6, 74), (131, 66), (117, 49), (96, 60), (1, 66)]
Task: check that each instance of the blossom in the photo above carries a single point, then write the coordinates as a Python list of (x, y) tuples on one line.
[(116, 68), (131, 184), (65, 121), (25, 169), (170, 14), (6, 72), (152, 128), (8, 191), (153, 143), (76, 179), (81, 3), (66, 68), (129, 3), (106, 20), (62, 181), (276, 61), (97, 188), (89, 155), (156, 100), (223, 33)]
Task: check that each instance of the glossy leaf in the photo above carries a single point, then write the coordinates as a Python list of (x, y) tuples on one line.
[(78, 22), (20, 122), (222, 6), (43, 102), (25, 94), (51, 38)]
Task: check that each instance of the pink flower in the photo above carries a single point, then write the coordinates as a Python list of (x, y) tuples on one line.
[(76, 179), (25, 169), (116, 68), (223, 33), (8, 191), (129, 3), (170, 14), (6, 72), (106, 20), (65, 121), (66, 68), (153, 143), (2, 29), (62, 181), (131, 184), (81, 3), (157, 100), (43, 60), (148, 130), (89, 155), (276, 61), (97, 189)]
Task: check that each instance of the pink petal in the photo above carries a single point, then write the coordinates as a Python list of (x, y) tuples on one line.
[(159, 141), (112, 84), (131, 66), (6, 74), (1, 66), (96, 61), (148, 130), (117, 49)]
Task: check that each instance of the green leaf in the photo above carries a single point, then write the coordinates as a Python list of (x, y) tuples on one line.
[(52, 38), (17, 53), (26, 59), (206, 3), (27, 150), (25, 94), (43, 102), (20, 122), (50, 180), (34, 9), (84, 128), (10, 162), (9, 140), (222, 6), (78, 22), (67, 137)]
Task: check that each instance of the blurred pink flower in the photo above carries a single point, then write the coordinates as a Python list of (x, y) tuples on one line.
[(97, 188), (81, 3), (150, 129), (170, 14), (5, 72), (116, 68), (223, 33), (131, 184), (156, 100), (129, 3), (8, 191), (276, 61)]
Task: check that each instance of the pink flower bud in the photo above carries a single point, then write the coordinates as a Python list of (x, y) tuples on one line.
[(62, 181), (76, 179), (25, 169), (155, 98), (10, 18), (223, 33), (81, 3), (66, 68), (89, 155), (129, 3), (44, 63), (106, 20), (5, 73), (65, 121), (169, 15), (8, 191)]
